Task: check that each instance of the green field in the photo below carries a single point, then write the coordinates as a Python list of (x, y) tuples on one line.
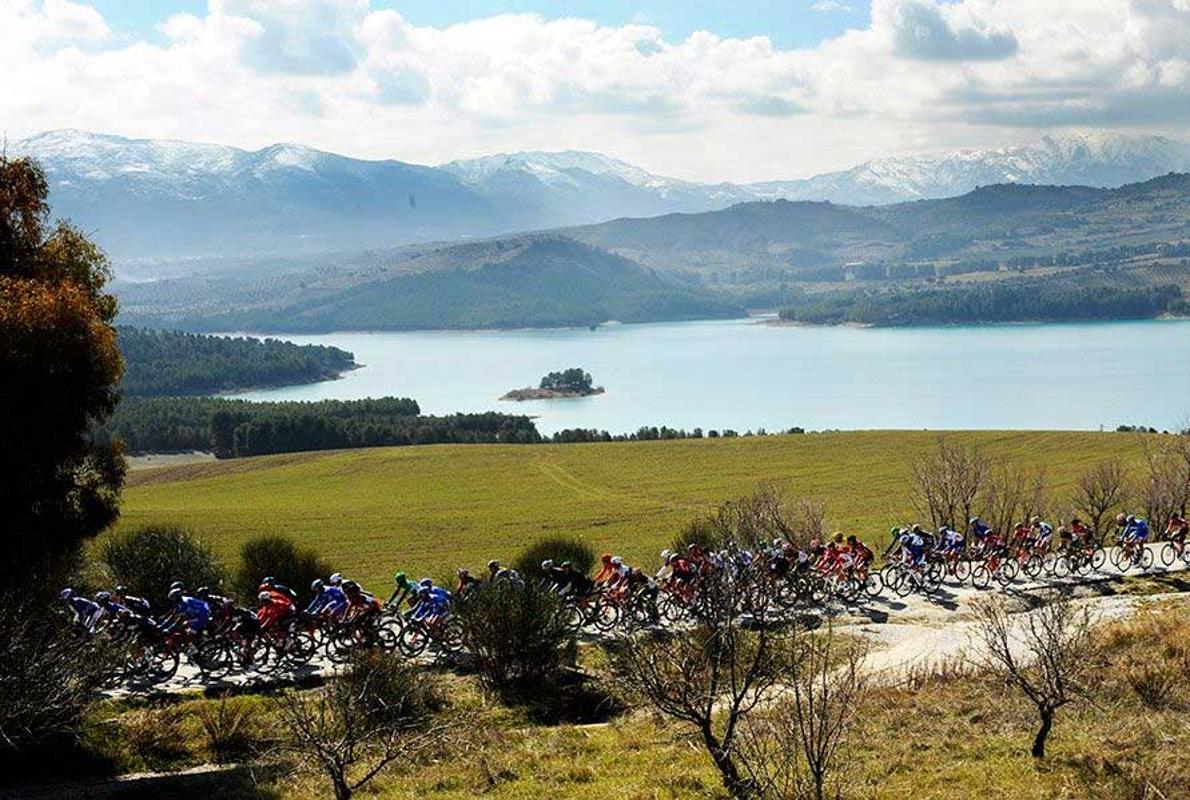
[(427, 509)]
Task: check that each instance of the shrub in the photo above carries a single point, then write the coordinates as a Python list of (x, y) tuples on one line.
[(155, 735), (47, 680), (148, 559), (231, 726), (559, 548), (290, 563), (516, 636)]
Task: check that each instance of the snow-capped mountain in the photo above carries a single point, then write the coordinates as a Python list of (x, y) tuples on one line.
[(1087, 159), (573, 187), (147, 198)]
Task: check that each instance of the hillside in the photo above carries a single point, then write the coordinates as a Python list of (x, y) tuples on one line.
[(537, 281), (992, 228), (430, 509)]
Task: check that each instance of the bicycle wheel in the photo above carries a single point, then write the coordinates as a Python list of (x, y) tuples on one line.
[(981, 577), (930, 582), (1032, 566), (607, 616), (1060, 567), (450, 637), (962, 570), (874, 585), (1116, 556), (1168, 554), (1146, 558), (413, 640), (1098, 558)]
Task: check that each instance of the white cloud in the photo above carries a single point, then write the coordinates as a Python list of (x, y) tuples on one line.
[(340, 75), (827, 6)]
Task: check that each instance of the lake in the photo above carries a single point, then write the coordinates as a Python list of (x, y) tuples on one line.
[(743, 375)]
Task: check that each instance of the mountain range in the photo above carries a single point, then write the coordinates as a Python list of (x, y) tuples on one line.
[(153, 200)]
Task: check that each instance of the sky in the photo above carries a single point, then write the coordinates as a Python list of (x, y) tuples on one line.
[(744, 90)]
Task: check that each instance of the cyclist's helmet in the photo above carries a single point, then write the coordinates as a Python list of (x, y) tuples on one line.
[(263, 596), (894, 531), (202, 591), (121, 590), (335, 579), (918, 529), (617, 561), (426, 583), (1131, 519), (462, 572), (665, 554), (268, 580), (546, 565), (851, 539), (606, 558), (351, 587), (1035, 521), (493, 565), (566, 565), (973, 520), (102, 597), (177, 585), (316, 585), (400, 578), (66, 594), (175, 594), (838, 536)]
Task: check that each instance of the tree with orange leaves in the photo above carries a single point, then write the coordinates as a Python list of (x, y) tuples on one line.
[(60, 364)]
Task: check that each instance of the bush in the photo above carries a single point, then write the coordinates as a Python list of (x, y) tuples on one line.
[(516, 636), (290, 563), (148, 559), (559, 548), (48, 679), (232, 727)]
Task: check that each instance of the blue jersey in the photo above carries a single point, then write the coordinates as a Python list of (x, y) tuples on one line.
[(331, 599), (1138, 528), (85, 610), (195, 611), (980, 529)]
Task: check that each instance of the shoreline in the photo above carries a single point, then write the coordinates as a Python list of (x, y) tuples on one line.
[(529, 393)]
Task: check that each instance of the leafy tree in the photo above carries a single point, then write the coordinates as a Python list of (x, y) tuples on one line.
[(558, 548), (574, 380), (58, 353)]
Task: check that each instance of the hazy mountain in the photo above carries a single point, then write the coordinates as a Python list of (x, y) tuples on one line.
[(1088, 159), (157, 199), (525, 281), (143, 198)]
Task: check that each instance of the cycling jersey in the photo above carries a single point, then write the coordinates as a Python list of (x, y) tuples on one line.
[(979, 529), (435, 602), (194, 611), (331, 601), (86, 612), (1138, 529), (272, 611)]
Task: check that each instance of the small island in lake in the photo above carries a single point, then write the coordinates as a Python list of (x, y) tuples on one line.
[(573, 382)]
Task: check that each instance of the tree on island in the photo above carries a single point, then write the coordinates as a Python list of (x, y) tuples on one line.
[(575, 379)]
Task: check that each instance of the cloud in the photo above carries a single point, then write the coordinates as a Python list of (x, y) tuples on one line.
[(343, 75), (921, 30), (828, 6)]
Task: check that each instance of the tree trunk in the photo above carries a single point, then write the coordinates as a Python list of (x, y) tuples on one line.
[(732, 782), (1047, 722), (342, 789)]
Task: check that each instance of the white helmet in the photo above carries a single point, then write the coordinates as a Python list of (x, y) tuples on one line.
[(263, 596), (547, 564), (617, 561), (665, 554), (335, 579)]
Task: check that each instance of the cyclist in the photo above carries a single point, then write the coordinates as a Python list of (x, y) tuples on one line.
[(895, 533), (275, 586), (188, 611), (978, 529), (607, 570), (433, 602), (1133, 529), (1176, 530), (467, 581), (359, 602), (574, 583), (913, 546), (861, 555), (87, 613), (329, 601), (276, 608), (951, 540), (1041, 533), (1080, 532), (405, 588), (137, 605)]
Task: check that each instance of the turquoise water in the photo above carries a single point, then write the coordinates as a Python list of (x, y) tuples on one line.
[(743, 375)]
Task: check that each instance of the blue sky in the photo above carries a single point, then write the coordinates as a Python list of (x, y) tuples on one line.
[(787, 23)]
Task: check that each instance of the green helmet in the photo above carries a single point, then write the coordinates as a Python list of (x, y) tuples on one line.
[(894, 531), (400, 579)]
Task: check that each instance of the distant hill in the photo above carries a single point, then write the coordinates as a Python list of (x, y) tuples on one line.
[(530, 281), (151, 199), (997, 222)]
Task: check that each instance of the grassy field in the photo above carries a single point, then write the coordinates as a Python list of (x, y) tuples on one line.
[(426, 509)]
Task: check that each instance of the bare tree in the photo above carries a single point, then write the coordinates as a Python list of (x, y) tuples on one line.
[(1011, 493), (380, 710), (763, 515), (1165, 485), (1042, 653), (946, 483), (790, 745), (1100, 491), (709, 676)]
